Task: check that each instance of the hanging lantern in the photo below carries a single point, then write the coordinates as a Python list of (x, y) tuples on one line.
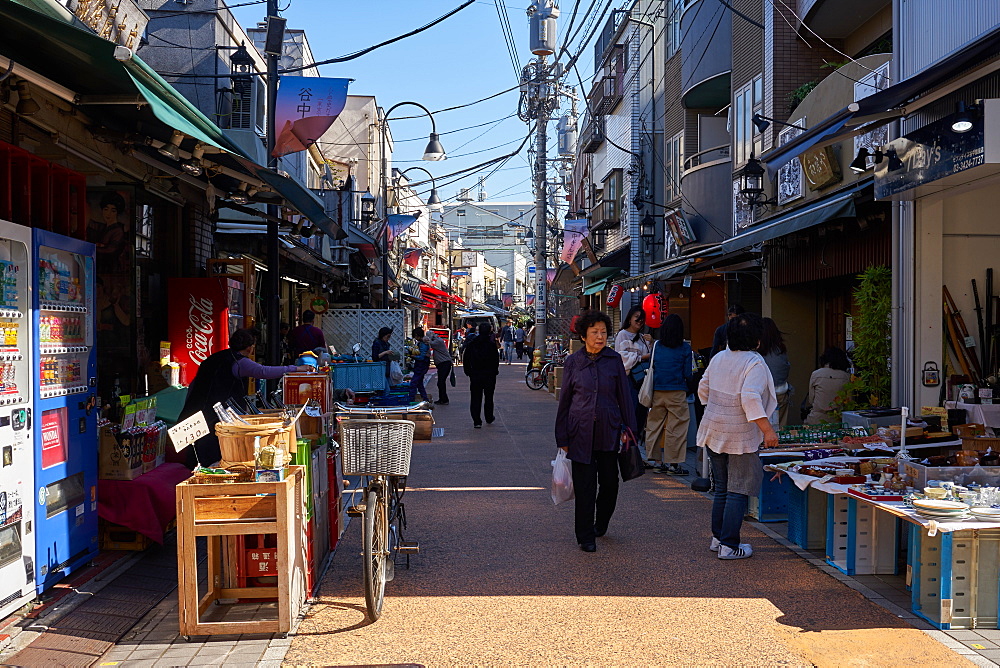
[(652, 306), (615, 296), (572, 325)]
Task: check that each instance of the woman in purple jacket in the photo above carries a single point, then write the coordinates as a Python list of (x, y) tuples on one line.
[(595, 402)]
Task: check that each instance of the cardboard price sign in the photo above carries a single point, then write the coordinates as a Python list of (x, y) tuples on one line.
[(188, 431)]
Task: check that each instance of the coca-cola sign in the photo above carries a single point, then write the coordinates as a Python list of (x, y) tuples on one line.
[(199, 322), (201, 328)]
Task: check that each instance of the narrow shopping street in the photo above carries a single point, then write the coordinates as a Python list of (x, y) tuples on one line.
[(500, 580)]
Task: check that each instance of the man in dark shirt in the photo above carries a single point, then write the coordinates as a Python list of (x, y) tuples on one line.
[(306, 336), (720, 340)]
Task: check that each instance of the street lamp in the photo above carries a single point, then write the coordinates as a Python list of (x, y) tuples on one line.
[(764, 122), (647, 232), (434, 152), (433, 202), (752, 183)]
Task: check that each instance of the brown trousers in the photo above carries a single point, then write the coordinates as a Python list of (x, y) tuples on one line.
[(667, 427)]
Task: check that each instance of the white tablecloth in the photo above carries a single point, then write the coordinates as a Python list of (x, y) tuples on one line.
[(986, 414)]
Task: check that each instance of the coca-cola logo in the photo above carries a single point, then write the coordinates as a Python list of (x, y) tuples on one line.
[(200, 332)]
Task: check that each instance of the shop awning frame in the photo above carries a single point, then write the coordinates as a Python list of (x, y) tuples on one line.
[(46, 42), (430, 292), (897, 101), (840, 205), (596, 286)]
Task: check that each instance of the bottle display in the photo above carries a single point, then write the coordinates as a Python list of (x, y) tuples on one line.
[(9, 274)]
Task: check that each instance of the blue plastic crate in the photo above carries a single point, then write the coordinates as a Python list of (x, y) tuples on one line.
[(359, 376), (806, 517), (771, 503)]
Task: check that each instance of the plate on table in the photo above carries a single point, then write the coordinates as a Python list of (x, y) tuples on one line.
[(938, 505), (987, 514), (952, 517)]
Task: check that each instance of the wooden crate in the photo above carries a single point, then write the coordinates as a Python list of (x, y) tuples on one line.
[(221, 512), (117, 537)]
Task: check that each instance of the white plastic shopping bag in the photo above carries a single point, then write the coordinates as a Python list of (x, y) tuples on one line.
[(562, 478)]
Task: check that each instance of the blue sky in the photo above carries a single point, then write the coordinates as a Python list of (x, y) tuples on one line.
[(457, 61)]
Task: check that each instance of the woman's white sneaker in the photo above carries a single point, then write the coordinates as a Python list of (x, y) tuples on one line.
[(714, 545), (741, 552)]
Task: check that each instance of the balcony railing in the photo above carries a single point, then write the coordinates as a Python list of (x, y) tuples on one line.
[(605, 95), (606, 215), (706, 156), (593, 134)]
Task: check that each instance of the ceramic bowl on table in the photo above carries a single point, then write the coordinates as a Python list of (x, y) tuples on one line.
[(986, 514), (935, 492)]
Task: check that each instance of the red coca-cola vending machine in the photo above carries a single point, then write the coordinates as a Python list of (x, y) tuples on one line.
[(199, 322)]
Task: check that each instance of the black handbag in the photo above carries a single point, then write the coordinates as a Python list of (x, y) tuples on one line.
[(630, 464)]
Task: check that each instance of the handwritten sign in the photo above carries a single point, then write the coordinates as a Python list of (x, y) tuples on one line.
[(188, 431)]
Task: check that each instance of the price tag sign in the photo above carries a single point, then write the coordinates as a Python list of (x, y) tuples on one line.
[(188, 431)]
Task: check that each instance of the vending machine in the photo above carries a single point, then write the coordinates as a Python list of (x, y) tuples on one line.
[(17, 530), (199, 320), (65, 417)]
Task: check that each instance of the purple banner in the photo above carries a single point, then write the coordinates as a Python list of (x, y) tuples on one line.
[(305, 109), (573, 233)]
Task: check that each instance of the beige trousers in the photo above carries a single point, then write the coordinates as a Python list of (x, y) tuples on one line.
[(667, 427)]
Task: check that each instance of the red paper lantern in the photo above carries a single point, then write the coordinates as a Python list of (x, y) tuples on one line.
[(652, 306), (572, 325), (615, 296)]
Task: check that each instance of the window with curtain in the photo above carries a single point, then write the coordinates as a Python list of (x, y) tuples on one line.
[(747, 101)]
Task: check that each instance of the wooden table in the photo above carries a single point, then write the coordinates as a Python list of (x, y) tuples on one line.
[(221, 512)]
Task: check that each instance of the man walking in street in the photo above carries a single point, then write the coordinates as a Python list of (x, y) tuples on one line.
[(519, 341), (306, 336), (507, 338), (444, 363)]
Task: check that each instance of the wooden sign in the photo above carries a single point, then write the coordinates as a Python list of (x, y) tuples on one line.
[(187, 431), (820, 167)]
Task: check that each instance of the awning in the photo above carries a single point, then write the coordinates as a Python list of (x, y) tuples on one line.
[(430, 292), (596, 286), (840, 205), (885, 105), (84, 63)]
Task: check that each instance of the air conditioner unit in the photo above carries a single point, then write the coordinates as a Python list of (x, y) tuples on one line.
[(249, 98)]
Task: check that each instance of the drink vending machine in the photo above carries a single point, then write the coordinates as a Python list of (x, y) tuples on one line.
[(17, 526), (65, 415)]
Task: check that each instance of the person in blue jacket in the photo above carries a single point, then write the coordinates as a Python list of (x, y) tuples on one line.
[(669, 416), (595, 403)]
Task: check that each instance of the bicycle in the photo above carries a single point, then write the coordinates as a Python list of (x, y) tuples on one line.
[(534, 377), (379, 450)]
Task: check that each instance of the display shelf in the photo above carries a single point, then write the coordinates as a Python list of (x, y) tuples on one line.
[(48, 393), (61, 306), (11, 313), (11, 355), (10, 399), (56, 349)]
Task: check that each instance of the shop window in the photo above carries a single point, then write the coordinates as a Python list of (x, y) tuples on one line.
[(747, 101), (144, 232)]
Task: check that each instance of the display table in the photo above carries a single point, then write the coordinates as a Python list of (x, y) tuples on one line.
[(147, 504), (984, 414)]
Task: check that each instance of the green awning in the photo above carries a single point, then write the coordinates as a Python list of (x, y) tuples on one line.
[(54, 45), (838, 206), (596, 286)]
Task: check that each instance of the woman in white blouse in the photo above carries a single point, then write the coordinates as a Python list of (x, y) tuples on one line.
[(738, 393), (635, 349)]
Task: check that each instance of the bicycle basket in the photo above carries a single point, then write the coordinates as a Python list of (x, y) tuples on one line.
[(376, 447)]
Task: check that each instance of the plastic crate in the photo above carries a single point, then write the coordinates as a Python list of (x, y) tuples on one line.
[(359, 376), (860, 540), (955, 577), (771, 504), (807, 517)]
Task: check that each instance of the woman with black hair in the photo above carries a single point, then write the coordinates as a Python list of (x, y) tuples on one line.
[(775, 354), (595, 404), (482, 366), (738, 394), (825, 383), (669, 416), (635, 347)]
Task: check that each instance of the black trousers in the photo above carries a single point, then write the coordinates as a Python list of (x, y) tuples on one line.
[(482, 390), (443, 371), (596, 488), (519, 347)]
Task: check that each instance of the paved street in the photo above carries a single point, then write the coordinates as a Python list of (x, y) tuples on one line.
[(500, 579)]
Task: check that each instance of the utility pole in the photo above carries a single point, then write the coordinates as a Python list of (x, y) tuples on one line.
[(541, 217), (539, 97), (272, 288)]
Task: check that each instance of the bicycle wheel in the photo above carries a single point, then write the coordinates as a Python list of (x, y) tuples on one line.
[(375, 535), (535, 379)]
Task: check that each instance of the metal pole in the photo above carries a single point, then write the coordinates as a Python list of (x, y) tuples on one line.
[(385, 214), (273, 281), (541, 195)]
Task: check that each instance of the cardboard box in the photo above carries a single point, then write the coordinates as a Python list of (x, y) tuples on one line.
[(559, 375), (574, 345), (298, 388), (118, 459)]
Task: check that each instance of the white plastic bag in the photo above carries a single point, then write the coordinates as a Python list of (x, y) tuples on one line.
[(562, 478), (395, 373)]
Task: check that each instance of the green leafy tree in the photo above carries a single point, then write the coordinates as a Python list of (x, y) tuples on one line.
[(872, 340)]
